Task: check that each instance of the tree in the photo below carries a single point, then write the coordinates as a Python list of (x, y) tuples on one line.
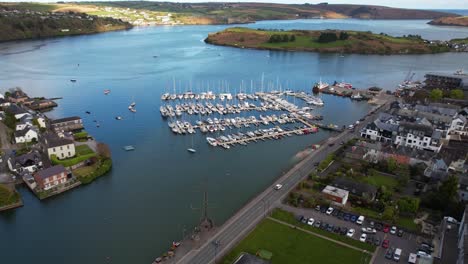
[(457, 94), (344, 35), (408, 204), (436, 94), (388, 213), (10, 120), (285, 38), (392, 165), (292, 38), (326, 37)]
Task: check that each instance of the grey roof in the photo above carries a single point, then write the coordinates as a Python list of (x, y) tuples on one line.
[(53, 141), (449, 75), (436, 134), (14, 109), (46, 173), (386, 126), (22, 133), (407, 127), (384, 117), (436, 110), (27, 159), (66, 119), (354, 187), (440, 165)]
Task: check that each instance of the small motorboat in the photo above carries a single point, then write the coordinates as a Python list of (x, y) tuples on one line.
[(129, 148), (73, 80), (191, 150), (118, 118), (88, 112), (107, 91)]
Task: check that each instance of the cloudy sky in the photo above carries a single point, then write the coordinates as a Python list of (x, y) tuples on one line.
[(420, 4)]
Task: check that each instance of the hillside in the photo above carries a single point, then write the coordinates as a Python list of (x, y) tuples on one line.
[(23, 23), (450, 21), (326, 41)]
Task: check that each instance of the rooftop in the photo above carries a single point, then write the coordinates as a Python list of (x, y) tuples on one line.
[(335, 191), (52, 141), (46, 173), (66, 119)]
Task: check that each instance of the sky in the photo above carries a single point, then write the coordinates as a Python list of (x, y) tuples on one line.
[(419, 4)]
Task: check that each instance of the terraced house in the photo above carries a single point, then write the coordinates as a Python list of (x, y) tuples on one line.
[(73, 123)]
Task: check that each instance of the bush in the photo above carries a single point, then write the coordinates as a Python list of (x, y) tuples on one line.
[(408, 205), (326, 37), (83, 153), (80, 135), (456, 94), (7, 196), (104, 166), (436, 94), (324, 163)]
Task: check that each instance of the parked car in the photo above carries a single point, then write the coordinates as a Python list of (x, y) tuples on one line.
[(412, 258), (378, 226), (337, 229), (317, 224), (278, 186), (317, 208), (335, 213), (400, 232), (341, 215), (299, 218), (369, 230), (323, 209), (386, 228), (304, 220), (423, 254), (344, 231), (429, 246), (385, 243), (360, 220), (346, 217), (310, 221), (353, 218), (363, 238), (377, 241), (426, 248), (370, 240), (324, 226), (330, 228), (350, 232), (329, 211), (389, 253), (397, 254), (393, 230), (372, 224)]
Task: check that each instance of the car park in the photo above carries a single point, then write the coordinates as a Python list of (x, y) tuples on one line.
[(360, 220), (385, 243), (329, 211), (368, 230), (310, 221), (350, 232), (363, 237), (393, 230)]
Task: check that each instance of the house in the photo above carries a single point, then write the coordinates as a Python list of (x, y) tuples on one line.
[(362, 190), (29, 162), (335, 194), (51, 177), (17, 111), (23, 125), (67, 124), (380, 131), (42, 122), (26, 135), (62, 148), (458, 126), (18, 96), (4, 103), (437, 170), (418, 136)]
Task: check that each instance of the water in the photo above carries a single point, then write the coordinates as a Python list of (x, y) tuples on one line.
[(135, 212)]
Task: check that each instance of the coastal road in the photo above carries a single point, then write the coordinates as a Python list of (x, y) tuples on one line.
[(233, 230)]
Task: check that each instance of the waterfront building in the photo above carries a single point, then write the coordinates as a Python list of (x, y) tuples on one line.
[(51, 177), (447, 81), (29, 162), (67, 124), (26, 135), (61, 147)]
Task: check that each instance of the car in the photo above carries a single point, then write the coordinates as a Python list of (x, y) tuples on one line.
[(331, 144), (360, 220), (369, 230), (363, 238), (372, 224), (310, 221), (370, 240), (423, 254), (353, 218), (343, 231), (386, 228), (278, 186), (385, 243), (413, 258), (317, 208), (323, 226), (337, 229), (378, 226), (317, 224), (350, 232), (400, 232), (362, 119), (389, 253), (428, 245), (299, 218), (330, 228), (323, 209), (377, 241), (335, 213), (341, 215), (397, 254), (316, 164), (329, 211), (393, 230), (346, 217), (304, 220), (426, 248)]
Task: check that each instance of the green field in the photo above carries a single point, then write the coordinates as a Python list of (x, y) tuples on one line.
[(307, 42), (82, 150), (31, 6), (293, 246), (378, 180), (407, 223), (291, 219)]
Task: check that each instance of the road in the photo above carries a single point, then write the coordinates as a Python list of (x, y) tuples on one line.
[(233, 230)]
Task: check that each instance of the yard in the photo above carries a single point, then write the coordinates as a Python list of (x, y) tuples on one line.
[(377, 180), (83, 152), (294, 246)]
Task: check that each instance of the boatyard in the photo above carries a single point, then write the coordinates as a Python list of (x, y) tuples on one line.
[(224, 116)]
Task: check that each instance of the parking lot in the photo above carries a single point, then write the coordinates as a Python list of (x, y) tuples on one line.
[(408, 243)]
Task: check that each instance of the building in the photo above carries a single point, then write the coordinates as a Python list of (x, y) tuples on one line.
[(447, 81), (18, 96), (67, 124), (418, 136), (29, 162), (17, 111), (437, 170), (51, 177), (335, 194), (4, 103), (362, 190), (26, 135), (62, 148), (380, 131)]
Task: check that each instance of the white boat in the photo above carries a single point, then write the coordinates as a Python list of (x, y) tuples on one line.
[(357, 96), (133, 110), (212, 141), (191, 150), (107, 91), (321, 85), (118, 118)]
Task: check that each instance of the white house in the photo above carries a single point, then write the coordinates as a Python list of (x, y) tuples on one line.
[(458, 126), (42, 122), (23, 125), (29, 162), (62, 148), (418, 136), (26, 135)]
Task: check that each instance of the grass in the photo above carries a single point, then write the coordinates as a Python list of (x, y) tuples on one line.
[(291, 219), (378, 180), (408, 224), (31, 6), (367, 212), (8, 196), (293, 246), (87, 174), (82, 150), (306, 42)]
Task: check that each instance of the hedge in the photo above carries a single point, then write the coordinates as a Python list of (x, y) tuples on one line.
[(71, 161), (103, 167)]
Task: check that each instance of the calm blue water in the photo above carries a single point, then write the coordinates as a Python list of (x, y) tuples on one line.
[(133, 214)]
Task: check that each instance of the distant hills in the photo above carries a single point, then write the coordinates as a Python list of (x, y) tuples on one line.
[(450, 21)]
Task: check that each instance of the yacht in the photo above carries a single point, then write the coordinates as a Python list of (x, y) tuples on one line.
[(107, 91), (212, 141)]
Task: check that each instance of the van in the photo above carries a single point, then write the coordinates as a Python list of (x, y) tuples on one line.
[(397, 254), (412, 258), (360, 220)]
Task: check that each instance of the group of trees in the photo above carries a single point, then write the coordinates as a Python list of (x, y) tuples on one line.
[(275, 38), (437, 94), (326, 37), (445, 198)]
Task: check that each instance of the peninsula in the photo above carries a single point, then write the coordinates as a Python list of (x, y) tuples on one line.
[(325, 41), (450, 21)]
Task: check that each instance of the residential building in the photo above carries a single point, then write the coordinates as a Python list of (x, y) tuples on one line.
[(18, 96), (67, 124), (362, 190), (418, 136), (4, 103), (335, 194), (42, 122), (380, 131), (437, 170), (458, 126), (26, 135), (446, 81), (51, 177), (61, 147), (29, 162), (17, 111)]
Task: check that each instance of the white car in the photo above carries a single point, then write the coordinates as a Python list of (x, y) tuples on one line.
[(310, 221), (350, 232), (393, 230), (363, 238), (360, 220), (423, 254), (369, 230), (329, 211), (413, 258), (278, 186)]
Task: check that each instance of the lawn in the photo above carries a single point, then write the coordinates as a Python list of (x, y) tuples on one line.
[(408, 223), (291, 219), (378, 180), (82, 150), (293, 246)]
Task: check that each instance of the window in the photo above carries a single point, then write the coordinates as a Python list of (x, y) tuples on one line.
[(69, 154), (61, 148)]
